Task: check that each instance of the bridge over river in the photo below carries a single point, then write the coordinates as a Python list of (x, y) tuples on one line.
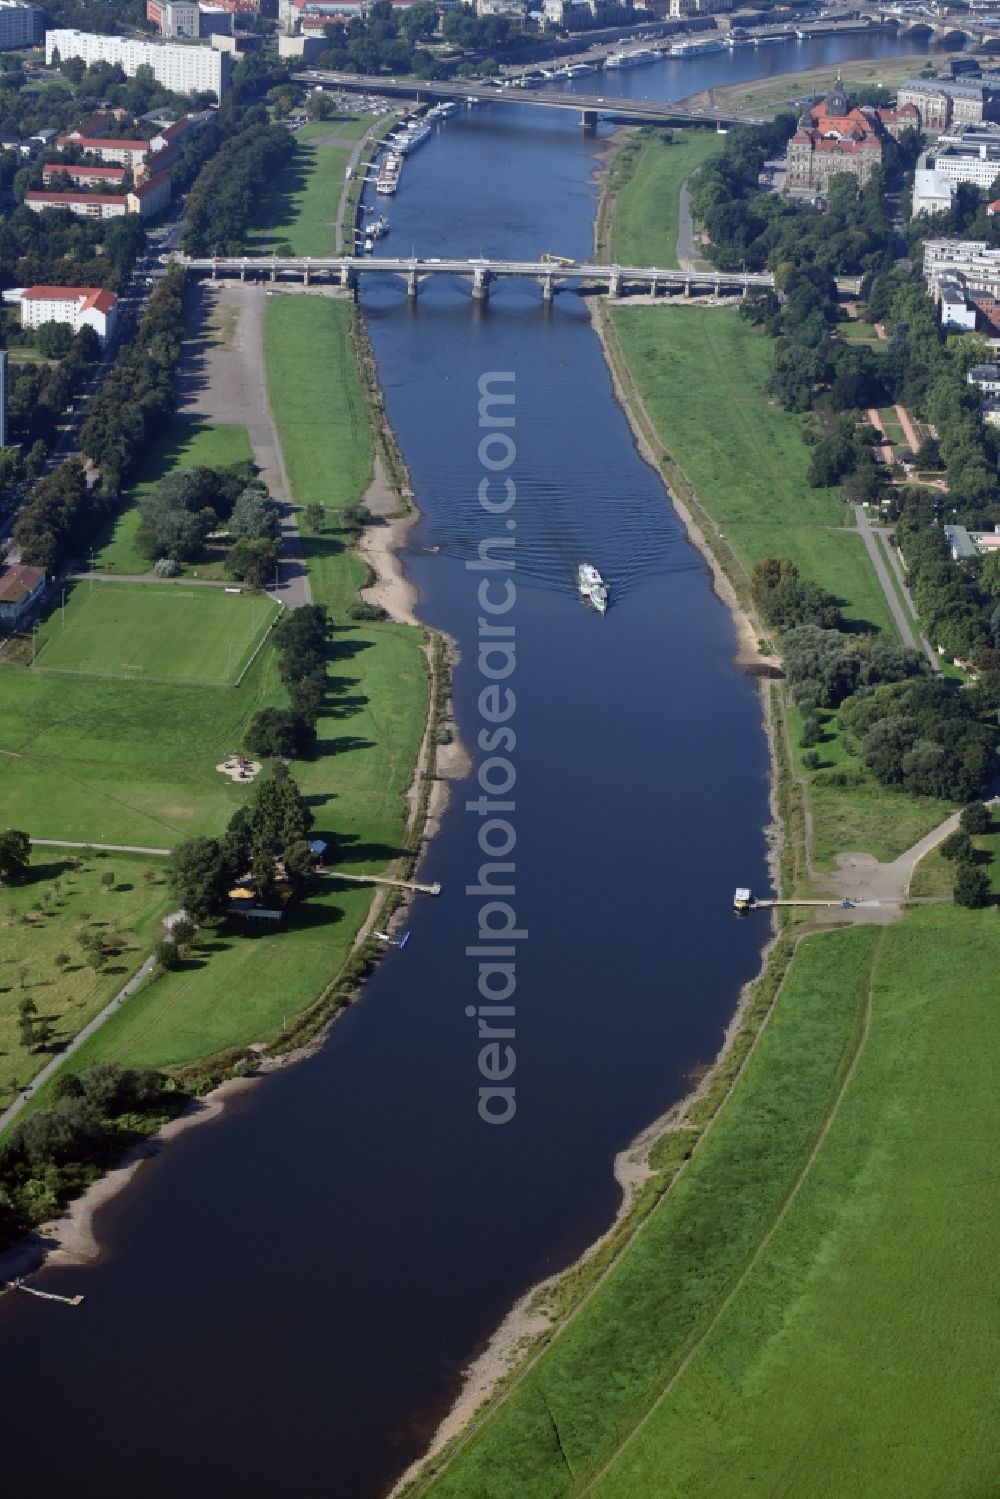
[(589, 106), (346, 270)]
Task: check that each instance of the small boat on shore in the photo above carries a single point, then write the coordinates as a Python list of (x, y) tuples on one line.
[(593, 589)]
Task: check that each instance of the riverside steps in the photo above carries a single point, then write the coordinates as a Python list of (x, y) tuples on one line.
[(301, 272)]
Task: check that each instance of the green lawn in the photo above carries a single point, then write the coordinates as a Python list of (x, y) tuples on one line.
[(844, 1346), (703, 374), (156, 631), (42, 920), (189, 443), (647, 208), (303, 210)]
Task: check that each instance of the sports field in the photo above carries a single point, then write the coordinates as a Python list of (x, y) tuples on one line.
[(157, 632)]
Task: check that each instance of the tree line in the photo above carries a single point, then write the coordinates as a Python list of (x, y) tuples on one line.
[(301, 640), (226, 195)]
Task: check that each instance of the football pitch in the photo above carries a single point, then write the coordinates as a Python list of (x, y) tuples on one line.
[(155, 632)]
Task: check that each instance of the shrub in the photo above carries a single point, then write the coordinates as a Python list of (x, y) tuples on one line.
[(811, 759), (812, 731), (167, 567), (364, 610)]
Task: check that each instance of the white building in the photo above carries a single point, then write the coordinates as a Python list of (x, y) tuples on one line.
[(932, 193), (150, 196), (971, 261), (79, 306), (184, 69), (20, 25), (84, 205), (174, 18)]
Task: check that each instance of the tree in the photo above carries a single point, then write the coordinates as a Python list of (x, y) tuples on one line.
[(15, 852), (972, 887), (253, 562), (53, 339), (199, 876), (277, 812), (957, 846), (167, 955), (255, 515), (278, 732), (315, 516), (975, 818)]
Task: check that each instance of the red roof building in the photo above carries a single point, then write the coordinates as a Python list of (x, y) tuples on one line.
[(20, 586), (833, 138), (84, 176), (87, 205), (79, 306)]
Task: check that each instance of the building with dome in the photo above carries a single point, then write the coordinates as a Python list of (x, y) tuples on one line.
[(833, 137)]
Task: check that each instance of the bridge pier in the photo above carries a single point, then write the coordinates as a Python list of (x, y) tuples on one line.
[(243, 273), (687, 288), (480, 284), (305, 275), (654, 287), (346, 278), (614, 285), (411, 283), (274, 273), (547, 288), (588, 119)]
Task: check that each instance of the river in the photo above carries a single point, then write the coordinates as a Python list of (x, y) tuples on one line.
[(289, 1295)]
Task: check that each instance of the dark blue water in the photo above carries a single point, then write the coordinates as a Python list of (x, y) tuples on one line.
[(290, 1294)]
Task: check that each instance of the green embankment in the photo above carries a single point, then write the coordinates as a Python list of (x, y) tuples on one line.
[(825, 1261), (647, 208), (703, 375)]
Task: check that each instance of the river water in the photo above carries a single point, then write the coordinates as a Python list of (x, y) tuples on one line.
[(289, 1294)]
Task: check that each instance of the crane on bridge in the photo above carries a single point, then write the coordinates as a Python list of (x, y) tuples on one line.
[(548, 258)]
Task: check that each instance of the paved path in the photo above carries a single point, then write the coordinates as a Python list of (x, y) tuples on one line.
[(223, 379), (882, 573), (184, 582), (111, 848), (352, 166), (50, 1068)]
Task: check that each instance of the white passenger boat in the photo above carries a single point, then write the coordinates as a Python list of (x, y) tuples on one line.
[(593, 589)]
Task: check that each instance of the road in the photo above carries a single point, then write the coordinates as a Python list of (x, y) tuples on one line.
[(687, 251)]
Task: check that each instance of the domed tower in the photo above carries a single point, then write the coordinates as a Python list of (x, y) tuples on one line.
[(836, 102)]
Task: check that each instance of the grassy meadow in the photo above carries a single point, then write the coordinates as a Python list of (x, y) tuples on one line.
[(189, 443), (302, 210), (647, 209)]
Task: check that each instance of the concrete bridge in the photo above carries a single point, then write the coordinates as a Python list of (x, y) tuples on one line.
[(346, 270), (589, 107)]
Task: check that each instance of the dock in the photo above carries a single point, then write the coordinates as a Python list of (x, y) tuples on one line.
[(745, 900), (384, 879)]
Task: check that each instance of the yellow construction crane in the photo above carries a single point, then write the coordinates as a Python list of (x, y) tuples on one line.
[(549, 259)]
